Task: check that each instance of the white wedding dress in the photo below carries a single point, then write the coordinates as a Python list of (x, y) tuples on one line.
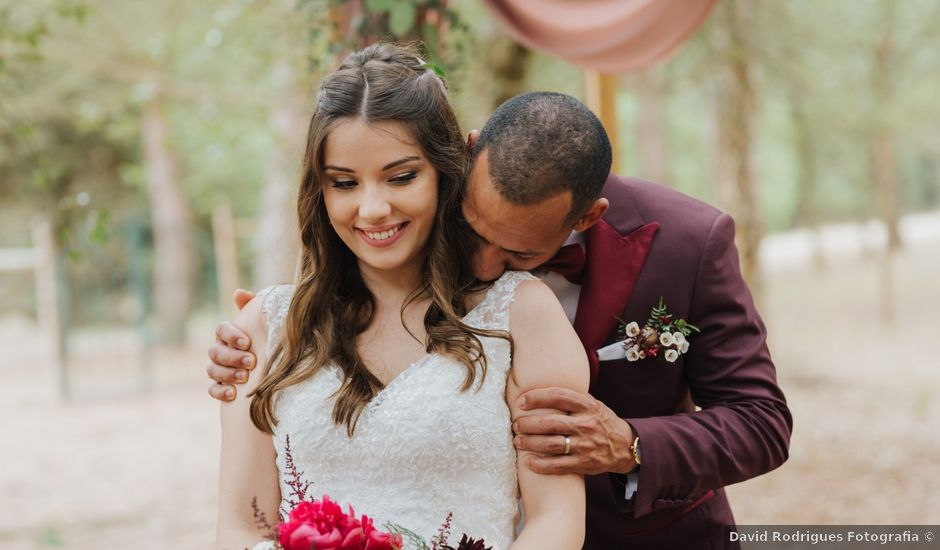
[(422, 448)]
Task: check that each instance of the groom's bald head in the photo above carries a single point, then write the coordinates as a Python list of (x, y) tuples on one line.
[(540, 145), (536, 172)]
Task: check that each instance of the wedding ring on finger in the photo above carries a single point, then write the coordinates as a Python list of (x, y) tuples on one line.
[(567, 445)]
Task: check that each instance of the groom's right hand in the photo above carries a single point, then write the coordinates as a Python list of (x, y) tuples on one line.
[(230, 355)]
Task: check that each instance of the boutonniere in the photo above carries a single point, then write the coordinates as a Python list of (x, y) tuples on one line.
[(662, 336)]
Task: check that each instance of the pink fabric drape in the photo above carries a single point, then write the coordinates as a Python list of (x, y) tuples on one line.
[(612, 36)]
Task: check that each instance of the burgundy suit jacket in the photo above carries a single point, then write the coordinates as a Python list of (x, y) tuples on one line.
[(654, 241)]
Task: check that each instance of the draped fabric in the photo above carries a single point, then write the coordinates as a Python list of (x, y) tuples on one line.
[(611, 36)]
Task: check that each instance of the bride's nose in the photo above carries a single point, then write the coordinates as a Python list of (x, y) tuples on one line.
[(374, 205)]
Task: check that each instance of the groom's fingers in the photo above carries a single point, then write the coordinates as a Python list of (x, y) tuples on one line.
[(226, 375), (222, 392), (542, 444), (556, 464), (544, 424), (242, 297), (224, 356), (232, 336), (562, 399)]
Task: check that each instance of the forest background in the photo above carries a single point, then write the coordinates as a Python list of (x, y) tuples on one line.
[(149, 155)]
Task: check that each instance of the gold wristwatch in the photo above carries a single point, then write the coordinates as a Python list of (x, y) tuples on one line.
[(635, 449)]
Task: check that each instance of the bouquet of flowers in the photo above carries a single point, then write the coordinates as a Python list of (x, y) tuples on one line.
[(322, 525)]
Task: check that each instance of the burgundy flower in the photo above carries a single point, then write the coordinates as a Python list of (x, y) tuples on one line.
[(467, 543)]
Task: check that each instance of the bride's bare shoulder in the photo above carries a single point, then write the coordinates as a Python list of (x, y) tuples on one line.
[(547, 351)]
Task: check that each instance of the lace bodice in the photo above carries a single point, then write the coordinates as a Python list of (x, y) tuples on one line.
[(422, 448)]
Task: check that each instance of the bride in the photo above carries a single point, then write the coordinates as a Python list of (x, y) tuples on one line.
[(390, 370)]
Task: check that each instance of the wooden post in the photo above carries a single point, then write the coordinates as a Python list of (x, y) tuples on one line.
[(226, 256), (600, 93)]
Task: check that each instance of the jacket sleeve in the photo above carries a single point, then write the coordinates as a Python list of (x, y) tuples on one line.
[(743, 427)]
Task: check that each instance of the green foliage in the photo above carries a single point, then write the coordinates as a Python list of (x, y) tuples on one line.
[(414, 539), (75, 77), (403, 20), (402, 14), (22, 31), (685, 328), (657, 314), (661, 320), (436, 70), (818, 67)]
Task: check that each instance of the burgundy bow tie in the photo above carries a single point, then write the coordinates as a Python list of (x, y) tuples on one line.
[(568, 262)]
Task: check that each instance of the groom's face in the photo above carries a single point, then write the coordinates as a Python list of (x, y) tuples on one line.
[(511, 236)]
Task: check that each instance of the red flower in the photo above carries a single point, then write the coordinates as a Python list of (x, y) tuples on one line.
[(323, 525), (307, 536), (379, 540)]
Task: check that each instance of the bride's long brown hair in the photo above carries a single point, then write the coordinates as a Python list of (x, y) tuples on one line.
[(332, 305)]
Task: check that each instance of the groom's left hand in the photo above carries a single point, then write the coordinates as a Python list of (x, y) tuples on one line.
[(600, 440)]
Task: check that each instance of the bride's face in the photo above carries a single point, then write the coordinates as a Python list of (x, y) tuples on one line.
[(380, 192)]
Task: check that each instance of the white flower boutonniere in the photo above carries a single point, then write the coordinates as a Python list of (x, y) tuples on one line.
[(662, 336)]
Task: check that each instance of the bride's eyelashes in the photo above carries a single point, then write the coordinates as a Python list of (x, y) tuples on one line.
[(400, 179), (344, 184), (404, 178)]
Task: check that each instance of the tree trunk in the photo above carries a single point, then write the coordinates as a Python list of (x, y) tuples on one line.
[(52, 300), (277, 238), (171, 218), (225, 244), (885, 176), (884, 169), (806, 214), (737, 100), (886, 185)]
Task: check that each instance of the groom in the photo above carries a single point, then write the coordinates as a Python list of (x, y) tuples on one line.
[(656, 440)]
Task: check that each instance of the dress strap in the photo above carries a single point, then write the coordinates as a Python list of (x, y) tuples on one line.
[(493, 310)]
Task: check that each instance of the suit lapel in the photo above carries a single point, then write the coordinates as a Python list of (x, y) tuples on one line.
[(613, 265)]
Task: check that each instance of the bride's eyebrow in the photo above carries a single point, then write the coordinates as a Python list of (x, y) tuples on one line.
[(392, 164), (400, 161)]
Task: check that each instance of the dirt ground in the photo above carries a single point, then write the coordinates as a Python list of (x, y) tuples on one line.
[(120, 470)]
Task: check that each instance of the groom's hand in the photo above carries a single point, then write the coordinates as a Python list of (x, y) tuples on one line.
[(599, 439), (230, 355)]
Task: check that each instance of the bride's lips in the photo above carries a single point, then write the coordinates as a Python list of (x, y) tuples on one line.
[(399, 229)]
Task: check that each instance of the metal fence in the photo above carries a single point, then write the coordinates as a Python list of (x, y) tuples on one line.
[(95, 313)]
